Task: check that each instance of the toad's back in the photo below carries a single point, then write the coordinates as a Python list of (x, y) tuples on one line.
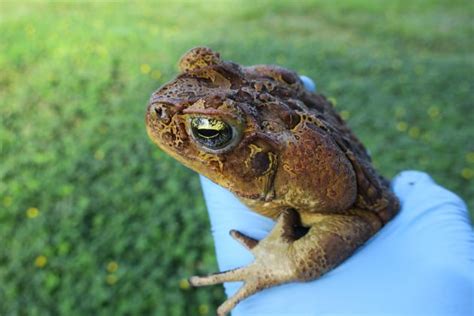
[(294, 149)]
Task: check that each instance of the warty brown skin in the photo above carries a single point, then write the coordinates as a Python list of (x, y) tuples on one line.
[(291, 157)]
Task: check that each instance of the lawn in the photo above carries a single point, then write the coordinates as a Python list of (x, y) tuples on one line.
[(95, 220)]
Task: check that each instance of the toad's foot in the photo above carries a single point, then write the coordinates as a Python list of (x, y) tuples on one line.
[(291, 253), (272, 263)]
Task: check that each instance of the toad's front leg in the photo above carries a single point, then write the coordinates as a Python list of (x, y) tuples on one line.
[(288, 254)]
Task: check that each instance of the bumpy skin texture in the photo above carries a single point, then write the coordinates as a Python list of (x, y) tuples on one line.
[(291, 158)]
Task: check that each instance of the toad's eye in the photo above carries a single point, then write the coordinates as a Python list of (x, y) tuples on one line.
[(211, 133)]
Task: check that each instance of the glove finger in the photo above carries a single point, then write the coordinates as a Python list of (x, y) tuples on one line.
[(308, 83), (227, 213)]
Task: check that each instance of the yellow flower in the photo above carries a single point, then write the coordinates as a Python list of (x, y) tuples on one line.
[(281, 59), (111, 279), (203, 309), (402, 126), (184, 284), (345, 114), (433, 112), (145, 68), (156, 74), (426, 137), (102, 51), (41, 261), (467, 173), (30, 30), (112, 266), (7, 201), (32, 212), (470, 157), (414, 132), (400, 112), (99, 155)]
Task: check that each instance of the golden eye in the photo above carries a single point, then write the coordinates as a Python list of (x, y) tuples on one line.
[(211, 133)]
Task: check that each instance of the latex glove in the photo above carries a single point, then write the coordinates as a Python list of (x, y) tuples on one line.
[(420, 263)]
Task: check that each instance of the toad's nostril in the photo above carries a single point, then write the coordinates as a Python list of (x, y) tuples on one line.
[(161, 113), (158, 111)]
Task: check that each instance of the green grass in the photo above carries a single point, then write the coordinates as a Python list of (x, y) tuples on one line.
[(93, 219)]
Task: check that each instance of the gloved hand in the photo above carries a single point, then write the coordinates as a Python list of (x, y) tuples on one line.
[(420, 263)]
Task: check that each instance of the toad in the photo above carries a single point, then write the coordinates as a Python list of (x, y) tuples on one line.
[(285, 153)]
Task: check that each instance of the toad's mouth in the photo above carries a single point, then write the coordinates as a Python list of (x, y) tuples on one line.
[(254, 197), (266, 184)]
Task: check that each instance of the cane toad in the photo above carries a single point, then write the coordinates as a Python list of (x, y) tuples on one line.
[(285, 153)]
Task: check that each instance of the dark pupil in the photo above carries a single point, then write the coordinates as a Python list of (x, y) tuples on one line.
[(211, 133), (208, 133)]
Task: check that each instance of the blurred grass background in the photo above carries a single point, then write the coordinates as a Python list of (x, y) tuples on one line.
[(95, 220)]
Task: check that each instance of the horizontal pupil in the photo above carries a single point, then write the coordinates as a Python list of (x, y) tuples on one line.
[(211, 133), (208, 133)]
